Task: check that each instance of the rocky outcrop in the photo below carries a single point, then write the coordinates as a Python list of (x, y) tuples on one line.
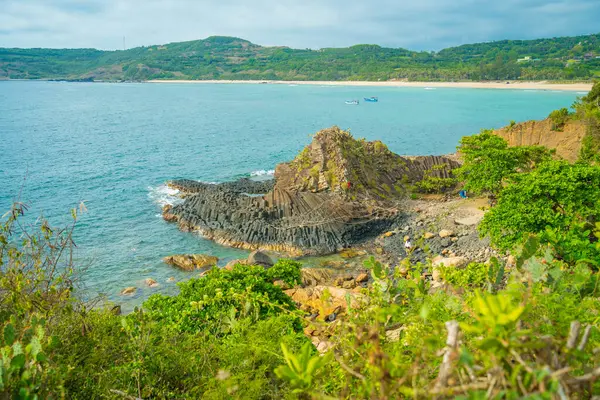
[(337, 192), (190, 262), (259, 258), (189, 187), (313, 299), (567, 141)]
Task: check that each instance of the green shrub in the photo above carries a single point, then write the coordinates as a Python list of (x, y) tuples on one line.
[(488, 161), (557, 199), (559, 118), (245, 291), (473, 275)]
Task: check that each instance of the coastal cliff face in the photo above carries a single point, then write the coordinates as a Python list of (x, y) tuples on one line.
[(567, 141), (337, 192)]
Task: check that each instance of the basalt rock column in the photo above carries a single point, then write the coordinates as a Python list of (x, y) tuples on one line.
[(337, 192)]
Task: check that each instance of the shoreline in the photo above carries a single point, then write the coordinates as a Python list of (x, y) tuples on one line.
[(532, 85)]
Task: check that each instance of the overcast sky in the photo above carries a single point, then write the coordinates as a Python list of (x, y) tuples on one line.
[(412, 24)]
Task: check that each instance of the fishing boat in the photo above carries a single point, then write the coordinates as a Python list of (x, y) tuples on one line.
[(371, 99), (352, 102)]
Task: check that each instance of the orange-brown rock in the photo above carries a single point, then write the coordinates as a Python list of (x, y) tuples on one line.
[(190, 262), (316, 276), (167, 214), (128, 290), (567, 142), (363, 277), (325, 299)]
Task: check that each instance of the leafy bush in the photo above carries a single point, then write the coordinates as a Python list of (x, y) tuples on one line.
[(488, 161), (396, 348), (559, 118), (558, 199), (520, 331), (474, 275), (245, 291)]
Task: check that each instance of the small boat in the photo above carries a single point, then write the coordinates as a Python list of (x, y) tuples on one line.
[(371, 99), (352, 102)]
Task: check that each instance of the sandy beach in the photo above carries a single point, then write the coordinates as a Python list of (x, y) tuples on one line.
[(540, 85)]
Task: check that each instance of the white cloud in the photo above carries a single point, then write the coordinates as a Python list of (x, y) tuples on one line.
[(423, 24)]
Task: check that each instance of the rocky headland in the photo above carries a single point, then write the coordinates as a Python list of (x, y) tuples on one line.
[(337, 193)]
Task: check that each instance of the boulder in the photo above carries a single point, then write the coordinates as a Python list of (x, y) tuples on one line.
[(351, 253), (444, 233), (450, 261), (229, 266), (349, 284), (428, 235), (128, 290), (362, 278), (189, 262), (315, 276), (167, 214), (151, 282), (171, 279), (470, 220), (313, 297), (388, 234), (333, 264), (324, 346), (257, 257)]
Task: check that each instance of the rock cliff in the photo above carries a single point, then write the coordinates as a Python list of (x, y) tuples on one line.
[(567, 141), (337, 192)]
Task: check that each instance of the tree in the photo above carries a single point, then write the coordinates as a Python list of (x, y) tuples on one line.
[(488, 161)]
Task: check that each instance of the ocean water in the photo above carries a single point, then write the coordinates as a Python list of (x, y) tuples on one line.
[(113, 146)]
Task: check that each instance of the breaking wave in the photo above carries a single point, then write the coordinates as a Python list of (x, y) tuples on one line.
[(263, 172), (163, 195)]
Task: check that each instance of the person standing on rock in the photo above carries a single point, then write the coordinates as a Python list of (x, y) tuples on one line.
[(407, 244)]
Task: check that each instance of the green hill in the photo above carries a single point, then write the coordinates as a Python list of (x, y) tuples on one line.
[(219, 57)]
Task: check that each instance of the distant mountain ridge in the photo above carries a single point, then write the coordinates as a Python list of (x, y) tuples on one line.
[(222, 57)]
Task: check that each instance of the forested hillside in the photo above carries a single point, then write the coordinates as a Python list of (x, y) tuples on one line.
[(233, 58)]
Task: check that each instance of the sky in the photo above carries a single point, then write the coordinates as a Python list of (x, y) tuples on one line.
[(412, 24)]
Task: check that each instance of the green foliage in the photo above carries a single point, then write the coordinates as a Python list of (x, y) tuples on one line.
[(588, 109), (235, 334), (473, 275), (245, 291), (488, 161), (300, 370), (558, 200), (391, 348), (496, 318), (559, 118), (25, 371), (219, 57), (434, 181)]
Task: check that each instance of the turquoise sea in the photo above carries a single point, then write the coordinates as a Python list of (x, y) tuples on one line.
[(114, 145)]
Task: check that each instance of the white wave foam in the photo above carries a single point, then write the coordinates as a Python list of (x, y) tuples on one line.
[(163, 195), (263, 172), (581, 92), (429, 88)]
